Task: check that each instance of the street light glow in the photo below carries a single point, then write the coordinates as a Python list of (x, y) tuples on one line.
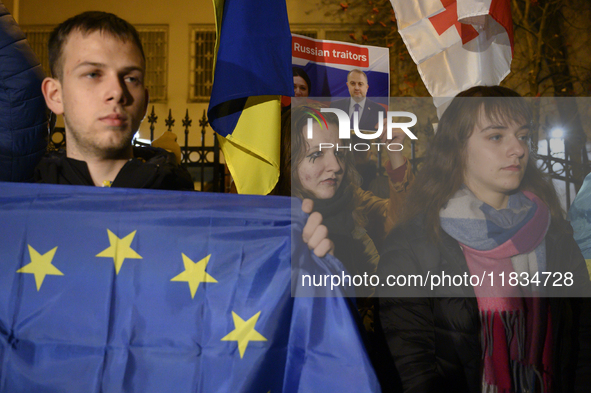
[(557, 132)]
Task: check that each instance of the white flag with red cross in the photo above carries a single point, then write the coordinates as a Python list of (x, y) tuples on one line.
[(457, 44)]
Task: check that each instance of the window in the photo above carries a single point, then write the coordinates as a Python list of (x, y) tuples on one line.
[(344, 35), (155, 42), (310, 33), (202, 51), (334, 32), (38, 36), (201, 54)]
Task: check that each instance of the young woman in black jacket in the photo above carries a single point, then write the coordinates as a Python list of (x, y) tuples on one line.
[(482, 213)]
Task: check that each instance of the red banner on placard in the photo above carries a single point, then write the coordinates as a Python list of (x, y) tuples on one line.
[(329, 52)]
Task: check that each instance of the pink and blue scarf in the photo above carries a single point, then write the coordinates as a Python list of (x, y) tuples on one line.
[(516, 329)]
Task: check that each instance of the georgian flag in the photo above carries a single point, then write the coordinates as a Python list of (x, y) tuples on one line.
[(457, 44)]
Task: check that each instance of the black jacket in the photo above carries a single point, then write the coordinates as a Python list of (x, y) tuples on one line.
[(23, 118), (435, 341), (151, 168)]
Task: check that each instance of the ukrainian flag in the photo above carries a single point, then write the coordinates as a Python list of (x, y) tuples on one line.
[(252, 70)]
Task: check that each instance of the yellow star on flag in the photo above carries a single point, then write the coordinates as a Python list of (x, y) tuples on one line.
[(40, 266), (194, 273), (119, 249), (244, 332)]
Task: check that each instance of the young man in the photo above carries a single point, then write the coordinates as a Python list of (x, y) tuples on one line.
[(98, 66)]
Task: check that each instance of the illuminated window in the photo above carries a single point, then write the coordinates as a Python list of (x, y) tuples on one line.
[(310, 33), (155, 42), (38, 36), (201, 54), (334, 32)]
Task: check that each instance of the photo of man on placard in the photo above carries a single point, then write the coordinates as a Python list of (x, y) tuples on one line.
[(368, 110)]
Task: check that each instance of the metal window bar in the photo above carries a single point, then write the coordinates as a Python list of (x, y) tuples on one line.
[(38, 36), (202, 51), (155, 42), (563, 168), (306, 33)]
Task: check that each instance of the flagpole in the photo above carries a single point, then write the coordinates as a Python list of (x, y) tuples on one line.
[(15, 8)]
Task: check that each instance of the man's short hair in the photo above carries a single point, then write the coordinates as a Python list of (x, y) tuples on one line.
[(357, 71), (87, 23)]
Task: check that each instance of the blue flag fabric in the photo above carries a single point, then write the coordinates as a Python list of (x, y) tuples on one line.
[(118, 290), (253, 58), (23, 120)]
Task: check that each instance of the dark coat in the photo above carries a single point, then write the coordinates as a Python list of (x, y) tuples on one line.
[(435, 341), (369, 117), (23, 119), (151, 168)]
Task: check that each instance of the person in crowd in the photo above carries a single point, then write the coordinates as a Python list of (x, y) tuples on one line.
[(356, 220), (368, 110), (301, 82), (98, 67), (480, 206), (23, 118), (366, 165), (579, 216)]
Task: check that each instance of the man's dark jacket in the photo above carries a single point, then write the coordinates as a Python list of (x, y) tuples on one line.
[(151, 168)]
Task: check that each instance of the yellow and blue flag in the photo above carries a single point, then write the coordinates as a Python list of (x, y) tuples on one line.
[(118, 290), (252, 69)]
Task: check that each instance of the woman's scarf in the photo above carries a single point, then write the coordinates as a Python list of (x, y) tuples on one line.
[(516, 329)]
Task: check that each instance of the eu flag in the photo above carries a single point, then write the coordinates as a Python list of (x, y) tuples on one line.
[(117, 290)]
